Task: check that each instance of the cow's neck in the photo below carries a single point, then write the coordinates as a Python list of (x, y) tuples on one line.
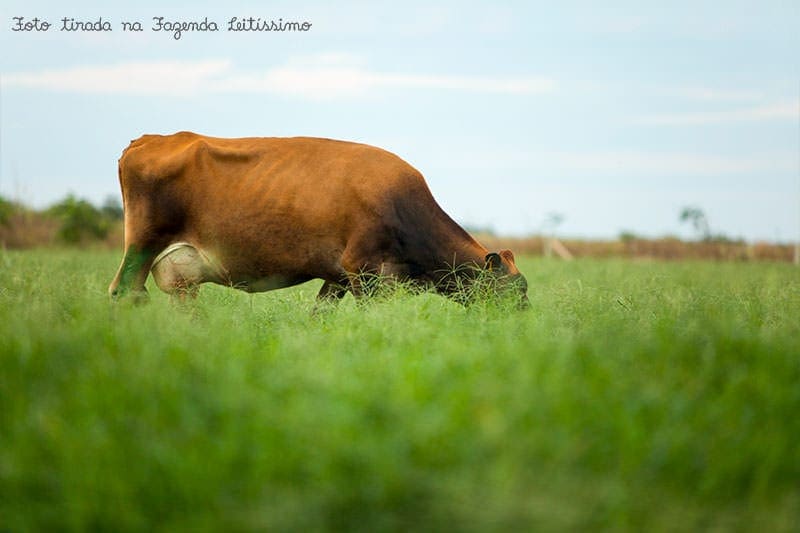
[(459, 259)]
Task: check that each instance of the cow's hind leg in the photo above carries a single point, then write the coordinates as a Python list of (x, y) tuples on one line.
[(132, 274), (147, 232)]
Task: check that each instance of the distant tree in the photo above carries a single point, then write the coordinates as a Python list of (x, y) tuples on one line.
[(112, 208), (7, 207), (80, 220), (698, 219)]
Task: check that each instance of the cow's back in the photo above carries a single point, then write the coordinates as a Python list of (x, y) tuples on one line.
[(267, 166)]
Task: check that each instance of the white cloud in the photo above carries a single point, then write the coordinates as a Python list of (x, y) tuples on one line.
[(773, 111), (327, 76), (706, 94), (659, 164), (162, 77), (641, 165), (327, 82)]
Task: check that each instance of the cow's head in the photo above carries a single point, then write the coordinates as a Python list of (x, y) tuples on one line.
[(507, 278)]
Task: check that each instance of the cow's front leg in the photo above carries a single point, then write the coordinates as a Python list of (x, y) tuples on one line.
[(328, 296), (331, 291)]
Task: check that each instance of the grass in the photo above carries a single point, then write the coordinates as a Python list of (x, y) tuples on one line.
[(632, 396)]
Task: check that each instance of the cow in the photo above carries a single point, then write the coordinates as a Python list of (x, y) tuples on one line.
[(263, 213)]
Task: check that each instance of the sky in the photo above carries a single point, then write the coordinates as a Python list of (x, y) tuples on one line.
[(613, 115)]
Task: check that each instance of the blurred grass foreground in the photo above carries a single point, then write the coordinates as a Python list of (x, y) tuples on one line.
[(638, 396)]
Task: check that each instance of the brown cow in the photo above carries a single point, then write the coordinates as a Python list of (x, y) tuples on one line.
[(265, 213)]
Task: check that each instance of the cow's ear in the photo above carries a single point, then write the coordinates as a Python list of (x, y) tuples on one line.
[(507, 255), (494, 262)]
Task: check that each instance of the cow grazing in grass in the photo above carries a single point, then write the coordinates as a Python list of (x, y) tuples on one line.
[(264, 213)]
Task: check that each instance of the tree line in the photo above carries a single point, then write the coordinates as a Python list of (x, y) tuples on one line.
[(71, 221)]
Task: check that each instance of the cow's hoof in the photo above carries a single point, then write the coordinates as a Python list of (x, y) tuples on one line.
[(136, 297)]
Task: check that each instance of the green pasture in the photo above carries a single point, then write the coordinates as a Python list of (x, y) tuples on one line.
[(632, 396)]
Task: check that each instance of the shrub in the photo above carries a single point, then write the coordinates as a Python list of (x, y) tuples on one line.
[(80, 220), (7, 207), (112, 208)]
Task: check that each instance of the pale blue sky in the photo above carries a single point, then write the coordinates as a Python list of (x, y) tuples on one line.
[(614, 116)]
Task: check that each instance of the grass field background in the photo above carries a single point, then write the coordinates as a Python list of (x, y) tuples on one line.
[(632, 396)]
